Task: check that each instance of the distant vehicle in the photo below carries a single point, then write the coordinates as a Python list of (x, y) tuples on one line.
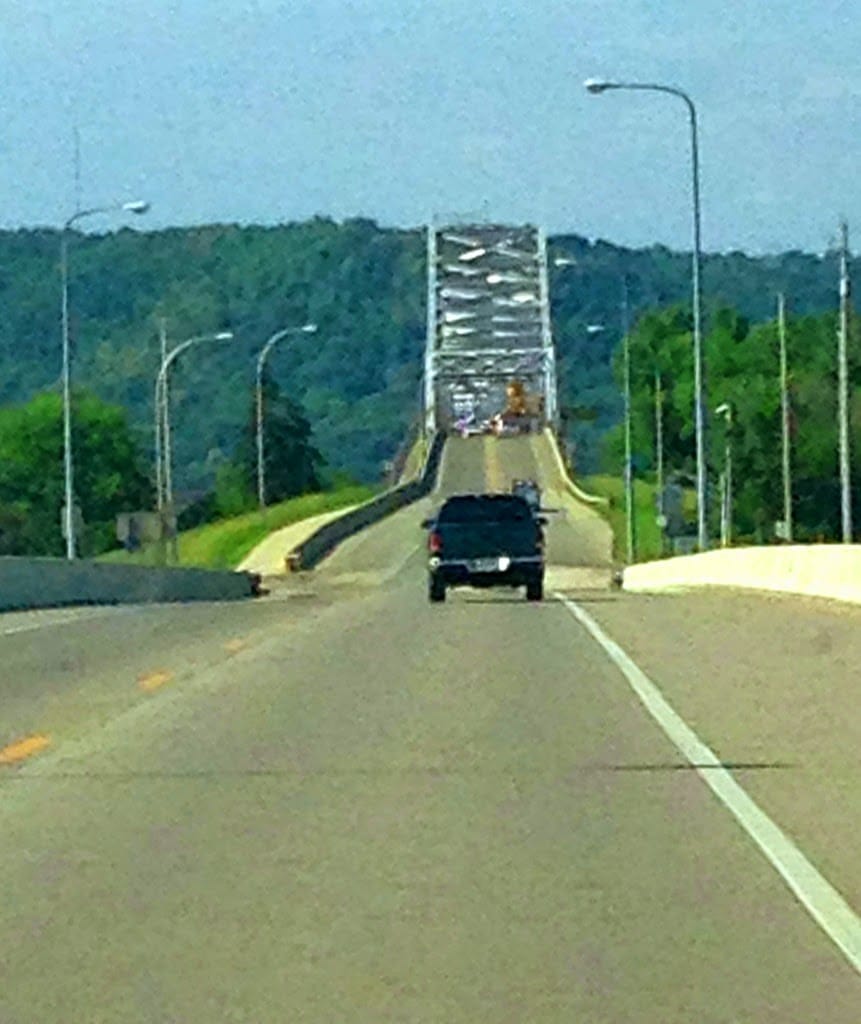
[(485, 540), (529, 491)]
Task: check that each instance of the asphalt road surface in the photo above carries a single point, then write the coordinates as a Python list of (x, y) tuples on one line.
[(341, 803)]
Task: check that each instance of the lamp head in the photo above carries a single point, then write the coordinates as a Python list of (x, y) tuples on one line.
[(724, 409), (224, 336), (596, 85), (308, 329), (136, 206)]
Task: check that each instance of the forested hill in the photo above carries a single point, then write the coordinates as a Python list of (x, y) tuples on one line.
[(359, 376)]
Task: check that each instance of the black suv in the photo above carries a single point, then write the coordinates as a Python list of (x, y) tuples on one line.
[(485, 540)]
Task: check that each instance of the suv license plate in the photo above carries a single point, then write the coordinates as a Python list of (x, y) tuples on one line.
[(485, 565)]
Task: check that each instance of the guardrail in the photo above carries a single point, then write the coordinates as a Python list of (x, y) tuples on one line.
[(312, 551), (815, 570), (53, 582)]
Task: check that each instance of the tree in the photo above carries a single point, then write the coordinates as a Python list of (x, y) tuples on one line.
[(292, 463), (109, 477)]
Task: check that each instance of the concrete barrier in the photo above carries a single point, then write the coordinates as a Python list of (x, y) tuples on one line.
[(573, 488), (815, 570), (52, 582), (312, 551)]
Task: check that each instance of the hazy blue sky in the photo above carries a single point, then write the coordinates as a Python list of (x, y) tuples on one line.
[(269, 110)]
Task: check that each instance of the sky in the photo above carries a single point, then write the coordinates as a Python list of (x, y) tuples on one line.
[(264, 111)]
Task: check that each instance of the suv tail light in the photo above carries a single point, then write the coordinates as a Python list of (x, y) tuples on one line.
[(434, 543)]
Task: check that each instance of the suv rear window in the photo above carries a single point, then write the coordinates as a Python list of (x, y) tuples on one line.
[(486, 508)]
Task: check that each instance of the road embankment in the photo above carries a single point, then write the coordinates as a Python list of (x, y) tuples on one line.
[(814, 570)]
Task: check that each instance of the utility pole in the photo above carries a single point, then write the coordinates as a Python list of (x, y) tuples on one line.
[(77, 158), (784, 421), (158, 415), (843, 388), (629, 469), (659, 439)]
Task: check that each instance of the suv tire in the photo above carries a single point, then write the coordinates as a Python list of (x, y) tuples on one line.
[(535, 589), (436, 589)]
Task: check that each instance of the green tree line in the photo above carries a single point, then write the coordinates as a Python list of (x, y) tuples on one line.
[(742, 368)]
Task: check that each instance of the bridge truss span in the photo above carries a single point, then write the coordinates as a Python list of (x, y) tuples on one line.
[(488, 322)]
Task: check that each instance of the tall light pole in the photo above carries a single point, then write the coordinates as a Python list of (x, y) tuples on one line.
[(843, 389), (725, 410), (159, 418), (598, 86), (629, 467), (137, 206), (659, 445), (786, 454), (162, 411), (261, 361)]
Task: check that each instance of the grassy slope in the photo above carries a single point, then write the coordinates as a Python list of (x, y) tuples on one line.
[(223, 545), (415, 459), (647, 534)]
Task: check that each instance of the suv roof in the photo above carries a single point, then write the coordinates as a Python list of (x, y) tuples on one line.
[(493, 508)]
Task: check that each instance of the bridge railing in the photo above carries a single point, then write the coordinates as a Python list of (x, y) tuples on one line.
[(323, 541)]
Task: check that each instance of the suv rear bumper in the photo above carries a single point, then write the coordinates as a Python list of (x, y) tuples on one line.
[(460, 574)]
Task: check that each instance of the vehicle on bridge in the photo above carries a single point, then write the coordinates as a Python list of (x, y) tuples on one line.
[(523, 412), (485, 540), (529, 491)]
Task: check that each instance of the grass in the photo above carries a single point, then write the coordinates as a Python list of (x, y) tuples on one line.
[(415, 459), (223, 544), (647, 534)]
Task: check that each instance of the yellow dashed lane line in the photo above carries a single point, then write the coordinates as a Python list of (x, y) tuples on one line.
[(153, 680), (494, 479), (20, 750), (23, 749)]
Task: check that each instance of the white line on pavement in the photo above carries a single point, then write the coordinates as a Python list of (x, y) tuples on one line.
[(823, 902)]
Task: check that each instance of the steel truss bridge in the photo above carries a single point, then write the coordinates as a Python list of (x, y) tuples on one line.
[(488, 319)]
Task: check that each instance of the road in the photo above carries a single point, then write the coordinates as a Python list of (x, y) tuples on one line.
[(340, 803)]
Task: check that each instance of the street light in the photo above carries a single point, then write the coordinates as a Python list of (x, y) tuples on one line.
[(136, 206), (785, 415), (163, 452), (261, 360), (725, 410), (597, 86)]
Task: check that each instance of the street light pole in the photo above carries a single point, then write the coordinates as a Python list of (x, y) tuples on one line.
[(843, 389), (261, 360), (599, 86), (137, 206), (162, 410), (159, 420), (629, 468), (725, 410), (786, 456), (659, 440)]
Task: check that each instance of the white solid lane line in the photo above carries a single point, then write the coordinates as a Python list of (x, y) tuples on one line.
[(822, 901)]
